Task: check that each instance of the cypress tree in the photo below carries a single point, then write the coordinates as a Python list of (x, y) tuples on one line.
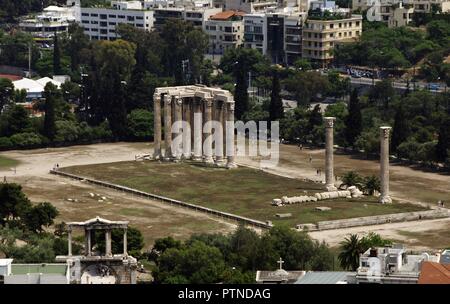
[(276, 104), (56, 56), (241, 95), (400, 131), (353, 122), (49, 119), (443, 144)]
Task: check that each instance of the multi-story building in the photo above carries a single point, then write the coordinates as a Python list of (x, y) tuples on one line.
[(250, 6), (322, 34), (277, 33), (197, 15), (53, 19), (255, 32), (391, 265), (225, 30), (101, 23)]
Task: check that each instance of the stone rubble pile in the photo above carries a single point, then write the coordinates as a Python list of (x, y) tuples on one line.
[(351, 192)]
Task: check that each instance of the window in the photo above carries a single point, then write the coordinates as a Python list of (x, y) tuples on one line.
[(103, 16), (139, 18), (112, 16), (121, 17), (331, 25), (85, 14), (130, 18), (94, 15), (85, 21), (103, 23), (112, 23), (94, 22)]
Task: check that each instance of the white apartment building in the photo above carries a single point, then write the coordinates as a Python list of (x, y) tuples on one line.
[(101, 23), (255, 32), (391, 265), (53, 19), (225, 30), (250, 6), (197, 15)]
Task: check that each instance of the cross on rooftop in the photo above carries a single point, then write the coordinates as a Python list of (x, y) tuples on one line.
[(280, 261)]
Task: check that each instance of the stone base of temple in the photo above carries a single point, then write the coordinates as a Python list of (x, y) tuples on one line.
[(385, 200), (331, 188), (231, 165)]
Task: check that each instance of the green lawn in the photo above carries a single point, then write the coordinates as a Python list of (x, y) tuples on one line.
[(7, 163), (243, 191)]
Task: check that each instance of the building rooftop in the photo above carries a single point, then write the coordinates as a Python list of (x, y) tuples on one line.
[(225, 15), (434, 273), (60, 269), (324, 277)]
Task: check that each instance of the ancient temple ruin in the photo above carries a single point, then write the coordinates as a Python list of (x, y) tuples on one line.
[(95, 267), (187, 111)]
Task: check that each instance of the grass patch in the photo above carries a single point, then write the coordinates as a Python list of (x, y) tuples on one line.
[(7, 163), (438, 238), (242, 191)]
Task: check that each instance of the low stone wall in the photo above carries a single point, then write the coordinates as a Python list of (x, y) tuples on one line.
[(377, 220), (160, 198)]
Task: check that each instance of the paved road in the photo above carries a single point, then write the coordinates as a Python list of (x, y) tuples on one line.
[(396, 84)]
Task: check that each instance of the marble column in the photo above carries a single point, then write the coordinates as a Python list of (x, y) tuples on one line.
[(108, 251), (198, 130), (87, 242), (208, 152), (329, 150), (384, 165), (69, 240), (125, 242), (168, 127), (218, 134), (230, 136), (157, 126), (187, 131), (178, 117)]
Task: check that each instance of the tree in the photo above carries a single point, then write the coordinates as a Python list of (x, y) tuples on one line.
[(443, 144), (241, 95), (56, 56), (353, 123), (74, 43), (371, 184), (13, 202), (350, 250), (140, 124), (14, 120), (352, 178), (6, 92), (276, 111), (195, 264), (401, 128), (50, 92), (40, 215)]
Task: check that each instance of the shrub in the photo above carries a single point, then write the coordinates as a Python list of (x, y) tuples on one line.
[(26, 140)]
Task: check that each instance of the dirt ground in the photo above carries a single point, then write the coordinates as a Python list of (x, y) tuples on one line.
[(32, 172)]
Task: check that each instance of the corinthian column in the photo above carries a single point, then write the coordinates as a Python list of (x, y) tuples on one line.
[(157, 126), (198, 130), (178, 118), (168, 126), (329, 147), (207, 157), (230, 135), (384, 165), (187, 129), (218, 134)]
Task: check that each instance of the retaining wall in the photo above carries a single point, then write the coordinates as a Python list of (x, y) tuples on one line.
[(170, 201)]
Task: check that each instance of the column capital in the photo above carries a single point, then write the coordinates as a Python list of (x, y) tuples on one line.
[(329, 121), (156, 97), (208, 101), (231, 106), (167, 99), (385, 131), (178, 100)]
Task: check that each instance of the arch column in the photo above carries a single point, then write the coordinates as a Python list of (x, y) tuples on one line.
[(208, 152), (168, 127), (157, 126)]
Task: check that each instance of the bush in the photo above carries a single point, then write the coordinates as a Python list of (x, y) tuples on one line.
[(26, 140), (5, 143)]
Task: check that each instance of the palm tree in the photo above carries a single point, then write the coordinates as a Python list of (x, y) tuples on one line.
[(351, 178), (371, 184), (350, 250)]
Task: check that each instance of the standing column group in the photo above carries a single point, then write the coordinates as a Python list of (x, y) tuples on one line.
[(195, 112)]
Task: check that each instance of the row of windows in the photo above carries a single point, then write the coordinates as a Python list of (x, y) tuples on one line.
[(228, 29), (332, 35), (104, 16)]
